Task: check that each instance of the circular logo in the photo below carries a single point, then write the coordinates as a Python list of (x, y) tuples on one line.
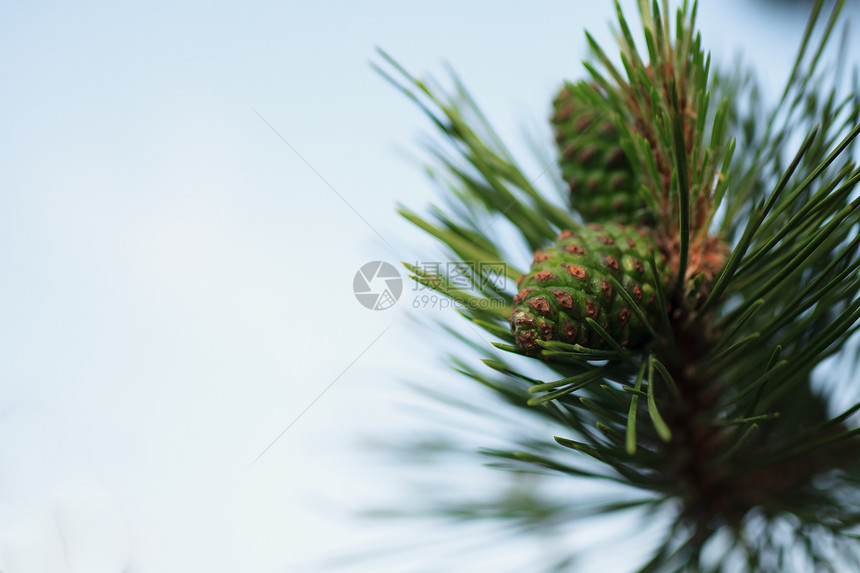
[(377, 285)]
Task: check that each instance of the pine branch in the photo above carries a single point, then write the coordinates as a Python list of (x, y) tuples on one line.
[(677, 331)]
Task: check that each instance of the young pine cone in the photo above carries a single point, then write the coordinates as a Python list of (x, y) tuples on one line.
[(603, 185), (570, 282)]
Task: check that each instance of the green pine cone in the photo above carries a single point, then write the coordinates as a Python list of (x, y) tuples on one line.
[(569, 282), (603, 185)]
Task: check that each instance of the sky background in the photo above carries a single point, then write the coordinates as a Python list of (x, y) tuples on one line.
[(178, 279)]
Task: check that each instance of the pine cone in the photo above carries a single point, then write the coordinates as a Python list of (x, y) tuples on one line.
[(568, 283), (708, 256), (603, 185)]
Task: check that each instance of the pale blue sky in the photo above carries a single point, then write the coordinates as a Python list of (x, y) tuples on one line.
[(178, 282)]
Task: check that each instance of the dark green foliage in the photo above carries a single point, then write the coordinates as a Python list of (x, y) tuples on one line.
[(710, 411)]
